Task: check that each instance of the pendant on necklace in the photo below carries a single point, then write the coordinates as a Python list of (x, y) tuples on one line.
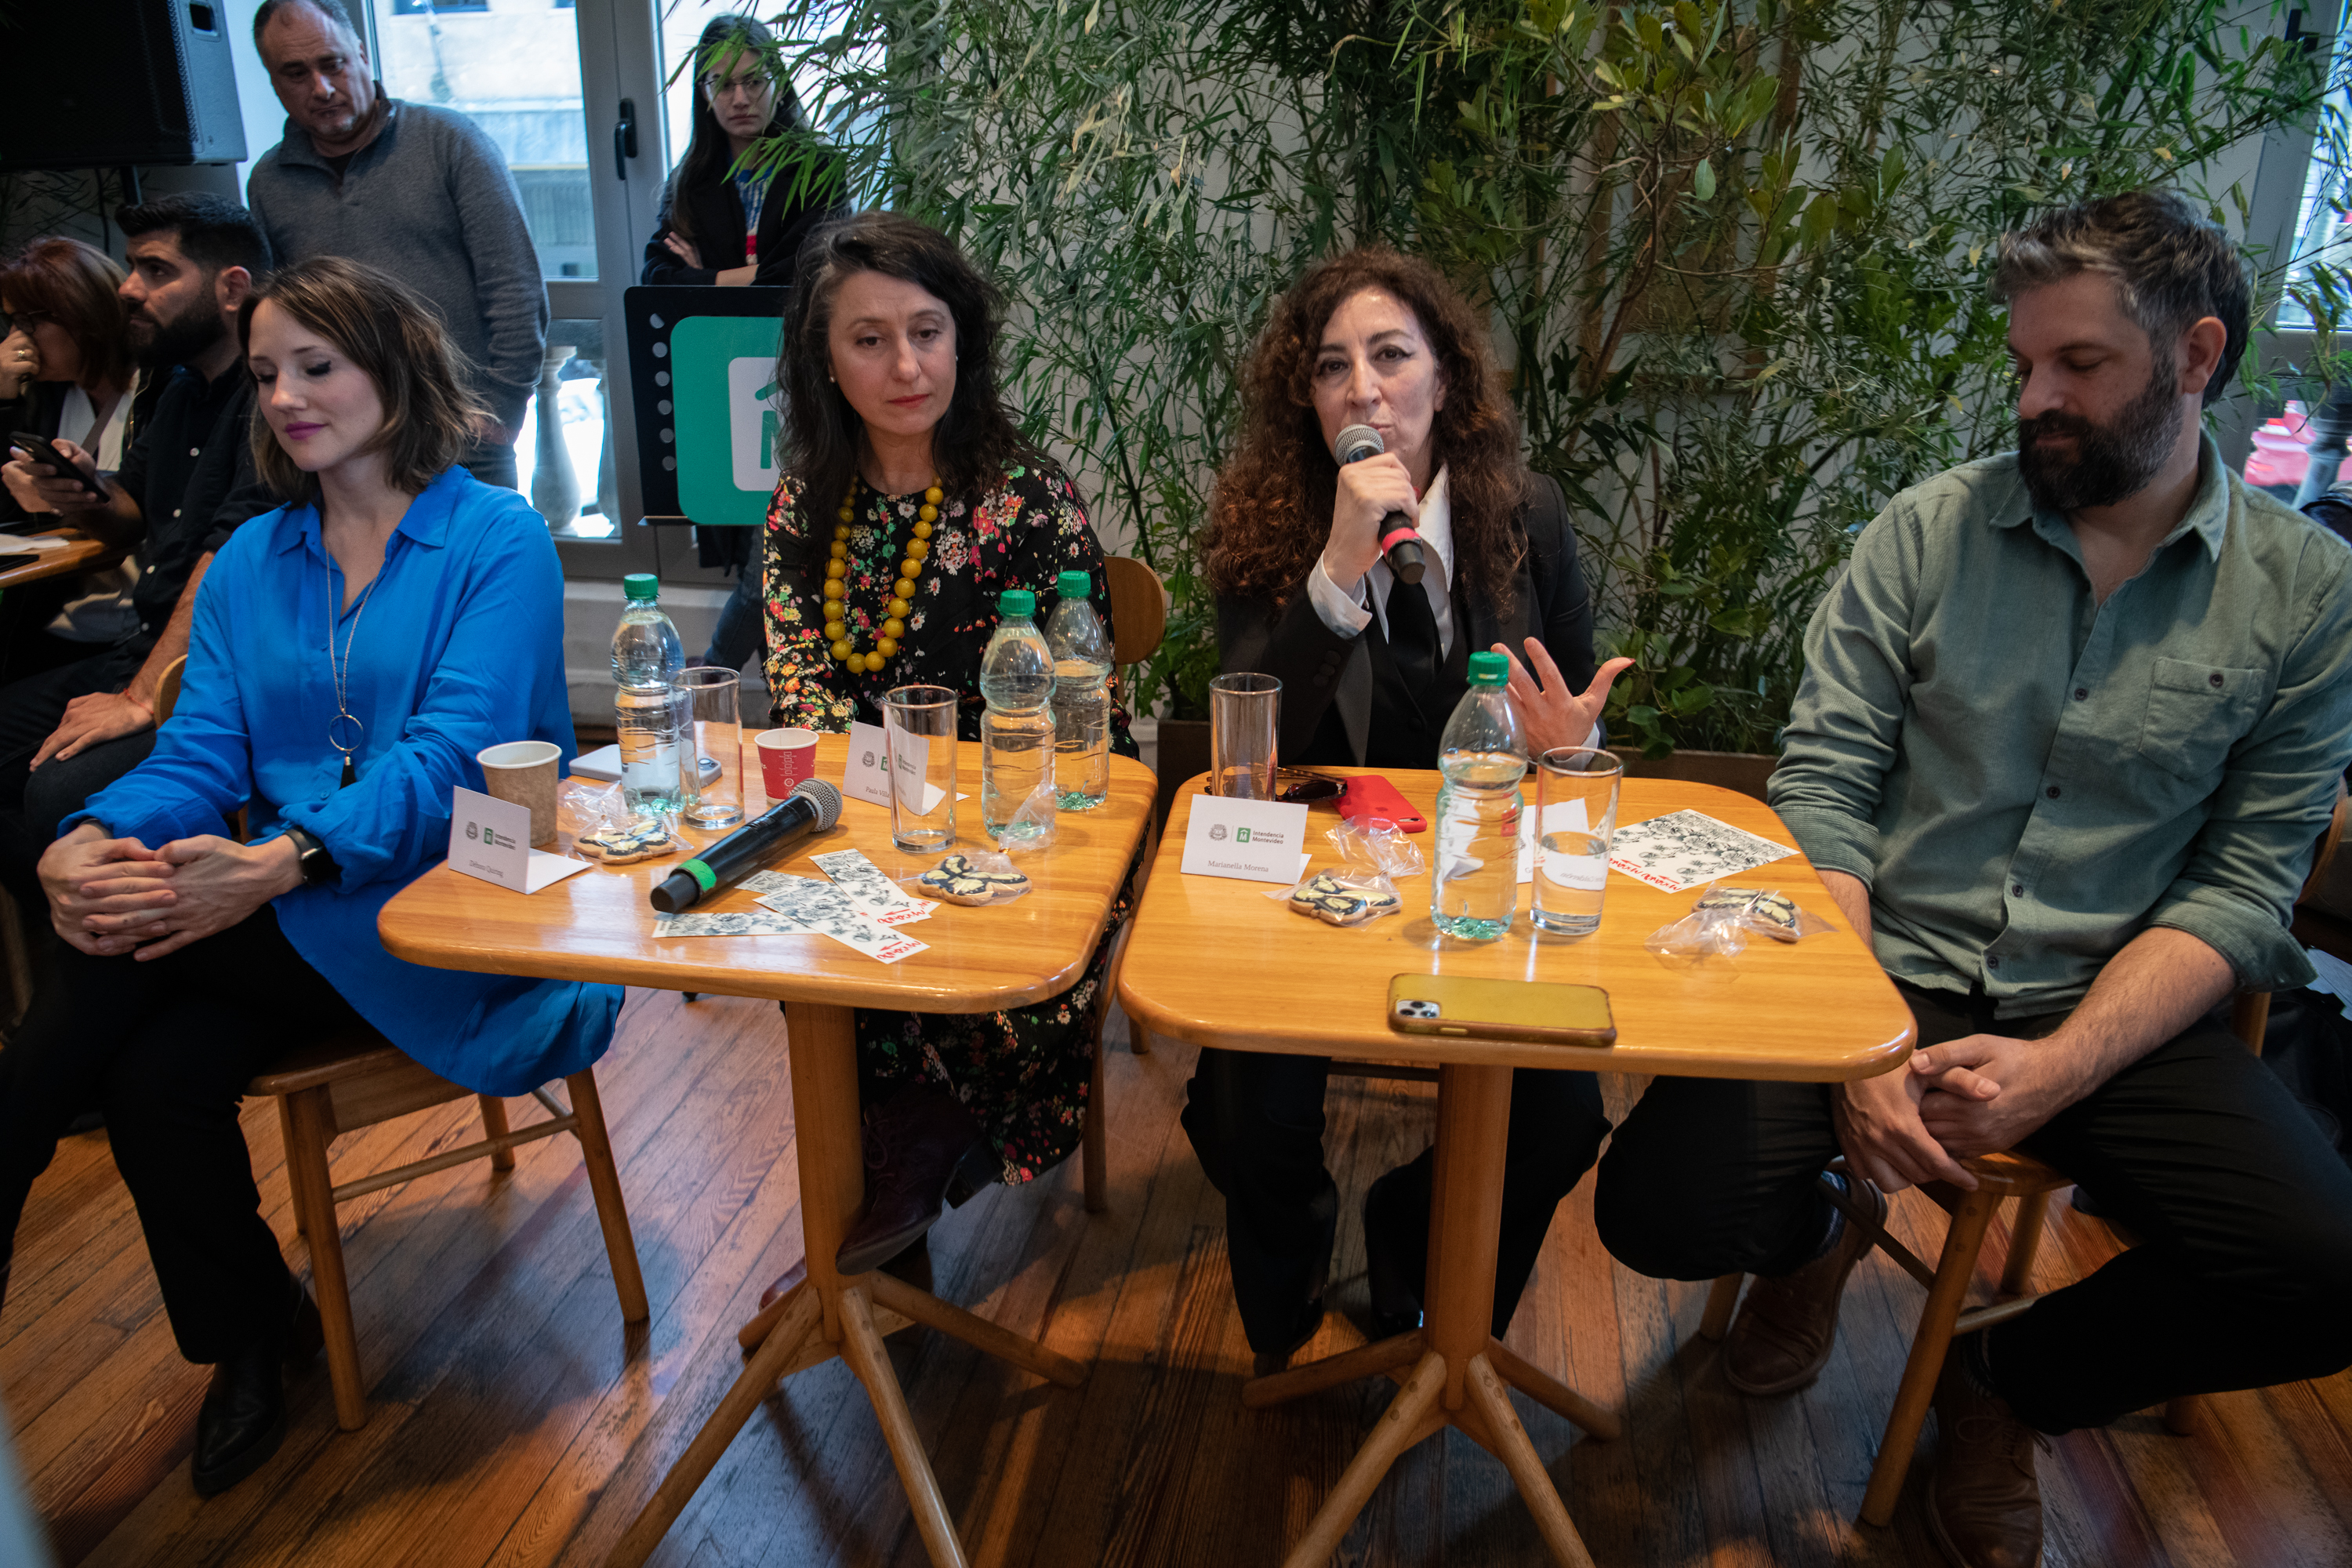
[(350, 774)]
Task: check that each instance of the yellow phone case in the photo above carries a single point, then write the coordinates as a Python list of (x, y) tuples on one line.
[(1544, 1010)]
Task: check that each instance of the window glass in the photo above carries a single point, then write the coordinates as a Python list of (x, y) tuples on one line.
[(562, 461), (514, 72)]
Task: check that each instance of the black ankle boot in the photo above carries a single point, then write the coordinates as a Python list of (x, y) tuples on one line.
[(923, 1150), (243, 1419), (1396, 1305)]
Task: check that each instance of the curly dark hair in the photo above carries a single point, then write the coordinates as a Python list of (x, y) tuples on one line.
[(1272, 508), (975, 445)]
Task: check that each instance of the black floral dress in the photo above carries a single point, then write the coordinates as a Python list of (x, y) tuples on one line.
[(1023, 1074)]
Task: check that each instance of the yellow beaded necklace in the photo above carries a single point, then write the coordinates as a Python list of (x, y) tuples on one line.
[(836, 585)]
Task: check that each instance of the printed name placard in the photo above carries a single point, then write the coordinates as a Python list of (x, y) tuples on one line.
[(491, 838), (867, 776), (1255, 841)]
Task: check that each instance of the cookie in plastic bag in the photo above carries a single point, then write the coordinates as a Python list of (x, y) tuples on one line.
[(1344, 899)]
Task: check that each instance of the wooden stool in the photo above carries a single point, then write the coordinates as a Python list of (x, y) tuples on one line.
[(357, 1080)]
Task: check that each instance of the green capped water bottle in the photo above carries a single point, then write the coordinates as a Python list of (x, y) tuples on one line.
[(1081, 697), (1474, 891), (1016, 733)]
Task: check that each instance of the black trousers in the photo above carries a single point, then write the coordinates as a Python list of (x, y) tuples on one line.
[(1256, 1123), (165, 1049), (2244, 1278), (31, 709)]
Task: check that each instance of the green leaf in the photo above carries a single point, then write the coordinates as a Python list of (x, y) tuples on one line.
[(1703, 181)]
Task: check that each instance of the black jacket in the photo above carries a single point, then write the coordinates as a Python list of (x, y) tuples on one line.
[(1320, 669), (715, 218)]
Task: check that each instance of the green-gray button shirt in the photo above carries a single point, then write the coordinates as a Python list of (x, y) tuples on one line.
[(2027, 778)]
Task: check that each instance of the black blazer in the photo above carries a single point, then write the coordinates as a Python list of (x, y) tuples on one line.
[(715, 218), (1318, 669)]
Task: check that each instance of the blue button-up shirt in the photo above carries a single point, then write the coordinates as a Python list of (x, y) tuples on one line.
[(458, 646), (2028, 778)]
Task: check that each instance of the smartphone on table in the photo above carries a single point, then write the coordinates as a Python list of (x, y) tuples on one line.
[(1552, 1012), (41, 449), (1368, 795)]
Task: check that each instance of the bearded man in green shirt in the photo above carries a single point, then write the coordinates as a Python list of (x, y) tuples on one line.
[(2071, 722)]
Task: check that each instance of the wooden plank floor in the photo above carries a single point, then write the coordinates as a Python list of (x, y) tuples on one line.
[(514, 1423)]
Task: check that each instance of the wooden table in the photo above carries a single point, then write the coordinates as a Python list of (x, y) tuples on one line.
[(78, 555), (597, 926), (1820, 1010)]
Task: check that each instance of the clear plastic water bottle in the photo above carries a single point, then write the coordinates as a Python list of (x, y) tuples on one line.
[(646, 658), (1081, 698), (1016, 733), (1474, 891)]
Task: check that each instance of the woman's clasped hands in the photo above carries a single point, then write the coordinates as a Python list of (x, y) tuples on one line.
[(112, 896)]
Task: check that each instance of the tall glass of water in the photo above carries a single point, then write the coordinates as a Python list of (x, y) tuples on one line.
[(1576, 816), (715, 730), (918, 723), (1243, 714)]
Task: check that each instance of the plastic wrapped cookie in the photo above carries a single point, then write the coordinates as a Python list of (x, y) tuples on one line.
[(961, 879), (644, 839), (1772, 913), (1341, 901)]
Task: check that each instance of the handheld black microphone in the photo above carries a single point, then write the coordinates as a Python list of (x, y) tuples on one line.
[(814, 806), (1400, 544)]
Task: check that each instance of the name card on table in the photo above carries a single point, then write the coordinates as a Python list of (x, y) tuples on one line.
[(867, 776), (1255, 841), (491, 838)]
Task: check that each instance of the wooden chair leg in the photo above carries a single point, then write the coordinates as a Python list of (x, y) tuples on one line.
[(2024, 1239), (286, 1143), (612, 1213), (1721, 1297), (1928, 1346), (311, 1114), (1095, 1148), (494, 1125)]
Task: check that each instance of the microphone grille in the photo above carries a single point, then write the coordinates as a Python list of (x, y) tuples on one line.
[(1357, 442), (825, 797)]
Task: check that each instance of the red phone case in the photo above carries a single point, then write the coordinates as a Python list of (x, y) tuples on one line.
[(1369, 795)]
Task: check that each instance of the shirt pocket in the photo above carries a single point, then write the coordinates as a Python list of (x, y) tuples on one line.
[(2196, 712)]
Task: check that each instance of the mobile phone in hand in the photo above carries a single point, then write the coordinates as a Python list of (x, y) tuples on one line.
[(41, 449)]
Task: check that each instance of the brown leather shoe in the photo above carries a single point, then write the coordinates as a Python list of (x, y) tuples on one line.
[(1786, 1327), (1984, 1501), (917, 1145)]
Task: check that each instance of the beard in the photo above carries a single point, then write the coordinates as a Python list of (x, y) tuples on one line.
[(2110, 461), (161, 345)]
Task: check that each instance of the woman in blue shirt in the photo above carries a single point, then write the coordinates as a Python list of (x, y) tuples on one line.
[(352, 654)]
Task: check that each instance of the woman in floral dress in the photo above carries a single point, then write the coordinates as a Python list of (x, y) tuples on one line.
[(902, 466)]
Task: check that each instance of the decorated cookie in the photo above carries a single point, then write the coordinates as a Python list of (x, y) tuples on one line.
[(644, 839), (956, 880), (1772, 913), (1328, 899)]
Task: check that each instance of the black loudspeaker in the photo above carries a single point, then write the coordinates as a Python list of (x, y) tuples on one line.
[(119, 82)]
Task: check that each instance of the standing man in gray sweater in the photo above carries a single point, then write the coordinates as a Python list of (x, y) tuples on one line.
[(420, 191)]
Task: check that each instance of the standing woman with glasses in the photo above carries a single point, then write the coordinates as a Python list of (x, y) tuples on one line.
[(732, 227), (904, 469), (352, 652)]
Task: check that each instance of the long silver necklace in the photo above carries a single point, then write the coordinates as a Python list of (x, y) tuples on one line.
[(336, 729)]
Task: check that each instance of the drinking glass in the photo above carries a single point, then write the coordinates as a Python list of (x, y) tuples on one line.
[(1244, 710), (715, 730), (1576, 816), (919, 722)]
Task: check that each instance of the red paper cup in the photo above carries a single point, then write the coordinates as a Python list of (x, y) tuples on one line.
[(787, 757)]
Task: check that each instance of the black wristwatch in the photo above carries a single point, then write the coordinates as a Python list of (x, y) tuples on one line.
[(318, 867)]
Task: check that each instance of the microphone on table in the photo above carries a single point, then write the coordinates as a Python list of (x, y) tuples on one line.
[(1399, 543), (814, 806)]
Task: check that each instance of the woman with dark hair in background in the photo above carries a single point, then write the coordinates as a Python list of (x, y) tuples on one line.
[(902, 463), (67, 362), (352, 652), (1370, 670), (730, 225)]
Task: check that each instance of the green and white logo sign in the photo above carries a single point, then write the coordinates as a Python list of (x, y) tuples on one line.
[(729, 411)]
